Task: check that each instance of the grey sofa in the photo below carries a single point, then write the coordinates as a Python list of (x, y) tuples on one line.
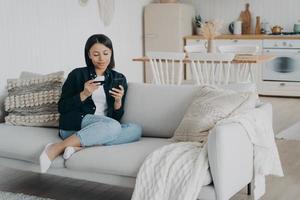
[(159, 109)]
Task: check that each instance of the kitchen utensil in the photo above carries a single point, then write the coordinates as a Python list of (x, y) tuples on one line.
[(276, 30), (265, 28), (257, 26), (231, 27), (297, 27), (235, 27), (245, 17)]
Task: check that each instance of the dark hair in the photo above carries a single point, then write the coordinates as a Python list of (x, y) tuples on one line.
[(102, 39)]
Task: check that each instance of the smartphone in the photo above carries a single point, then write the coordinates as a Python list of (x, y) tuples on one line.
[(116, 82)]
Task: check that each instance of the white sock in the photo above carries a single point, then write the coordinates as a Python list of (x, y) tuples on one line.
[(45, 161), (68, 152)]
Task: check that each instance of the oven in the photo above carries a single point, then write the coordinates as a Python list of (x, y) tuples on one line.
[(286, 66)]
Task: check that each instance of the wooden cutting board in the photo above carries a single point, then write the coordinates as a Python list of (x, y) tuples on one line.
[(245, 17)]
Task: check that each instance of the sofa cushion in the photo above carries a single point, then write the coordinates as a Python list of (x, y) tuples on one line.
[(32, 101), (210, 105), (157, 108), (124, 159), (27, 143)]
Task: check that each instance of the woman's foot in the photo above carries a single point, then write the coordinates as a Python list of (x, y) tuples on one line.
[(45, 161), (69, 151), (50, 152)]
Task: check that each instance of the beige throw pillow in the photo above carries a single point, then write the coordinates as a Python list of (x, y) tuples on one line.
[(32, 101), (210, 105)]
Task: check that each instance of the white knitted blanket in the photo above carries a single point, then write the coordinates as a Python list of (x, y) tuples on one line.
[(173, 172), (177, 171)]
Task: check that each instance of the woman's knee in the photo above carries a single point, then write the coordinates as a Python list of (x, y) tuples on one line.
[(133, 129), (115, 128), (110, 125), (106, 122), (100, 132)]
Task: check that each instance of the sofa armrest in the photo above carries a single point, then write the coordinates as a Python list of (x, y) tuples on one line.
[(230, 155)]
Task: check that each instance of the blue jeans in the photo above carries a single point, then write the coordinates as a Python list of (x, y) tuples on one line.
[(102, 130)]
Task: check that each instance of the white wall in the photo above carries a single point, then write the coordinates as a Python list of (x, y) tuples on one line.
[(284, 13), (44, 36), (49, 35)]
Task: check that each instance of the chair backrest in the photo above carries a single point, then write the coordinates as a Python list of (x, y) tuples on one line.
[(195, 49), (239, 49), (167, 67), (240, 72), (211, 68), (192, 48)]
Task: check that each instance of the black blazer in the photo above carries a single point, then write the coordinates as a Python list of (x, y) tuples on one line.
[(70, 107)]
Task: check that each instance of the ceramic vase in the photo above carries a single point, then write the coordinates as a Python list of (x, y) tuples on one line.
[(198, 30), (211, 48)]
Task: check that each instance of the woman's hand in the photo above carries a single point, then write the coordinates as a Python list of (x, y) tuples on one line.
[(117, 94), (89, 88)]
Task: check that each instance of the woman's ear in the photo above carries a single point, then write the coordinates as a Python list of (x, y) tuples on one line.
[(89, 55)]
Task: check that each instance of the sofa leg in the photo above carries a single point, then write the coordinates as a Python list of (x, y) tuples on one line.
[(249, 189)]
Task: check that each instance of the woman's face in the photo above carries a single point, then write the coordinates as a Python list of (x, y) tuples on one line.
[(100, 56)]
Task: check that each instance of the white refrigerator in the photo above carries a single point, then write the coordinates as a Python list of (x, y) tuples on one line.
[(165, 25)]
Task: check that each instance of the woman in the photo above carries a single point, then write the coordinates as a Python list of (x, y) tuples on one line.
[(90, 110)]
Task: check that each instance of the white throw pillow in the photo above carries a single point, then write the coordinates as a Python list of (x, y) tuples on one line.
[(210, 105), (32, 100)]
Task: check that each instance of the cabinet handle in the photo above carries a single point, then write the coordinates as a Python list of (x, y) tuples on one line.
[(282, 84), (150, 35)]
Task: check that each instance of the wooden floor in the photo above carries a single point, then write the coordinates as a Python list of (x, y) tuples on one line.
[(59, 188), (287, 187), (286, 111)]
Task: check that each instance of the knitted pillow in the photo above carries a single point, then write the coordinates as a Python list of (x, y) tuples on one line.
[(210, 105), (32, 101)]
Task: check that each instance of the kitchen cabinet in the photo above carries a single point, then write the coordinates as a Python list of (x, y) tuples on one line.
[(219, 42)]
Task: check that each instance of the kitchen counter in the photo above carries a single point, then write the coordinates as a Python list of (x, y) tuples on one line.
[(248, 37)]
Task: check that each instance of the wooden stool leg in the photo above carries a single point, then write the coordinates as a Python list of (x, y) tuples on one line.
[(249, 189)]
